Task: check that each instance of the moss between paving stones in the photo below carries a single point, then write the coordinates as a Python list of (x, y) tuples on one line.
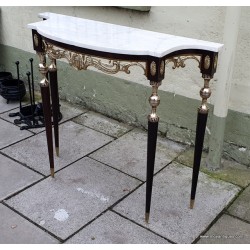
[(231, 171), (240, 207)]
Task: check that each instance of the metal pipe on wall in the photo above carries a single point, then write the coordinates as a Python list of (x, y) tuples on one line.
[(223, 87)]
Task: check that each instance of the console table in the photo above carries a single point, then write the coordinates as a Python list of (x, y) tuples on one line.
[(87, 43)]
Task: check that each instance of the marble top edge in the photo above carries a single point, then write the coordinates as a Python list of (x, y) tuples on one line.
[(113, 38)]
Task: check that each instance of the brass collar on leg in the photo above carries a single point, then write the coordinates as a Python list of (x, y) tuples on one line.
[(57, 151), (191, 204), (205, 93), (52, 172), (154, 101), (146, 217)]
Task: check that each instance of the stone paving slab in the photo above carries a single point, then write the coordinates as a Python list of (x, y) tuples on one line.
[(111, 228), (14, 177), (170, 215), (17, 230), (5, 107), (103, 124), (241, 206), (68, 112), (75, 142), (227, 230), (129, 153), (74, 197), (10, 133), (230, 171)]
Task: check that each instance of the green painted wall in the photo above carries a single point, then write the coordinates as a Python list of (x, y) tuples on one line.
[(127, 101)]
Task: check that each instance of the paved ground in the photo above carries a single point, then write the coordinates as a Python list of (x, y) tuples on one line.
[(98, 193)]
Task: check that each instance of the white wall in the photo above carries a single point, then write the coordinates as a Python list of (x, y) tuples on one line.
[(204, 23)]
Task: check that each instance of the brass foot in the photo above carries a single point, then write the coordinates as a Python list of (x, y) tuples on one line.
[(191, 204), (57, 151), (52, 173), (146, 217)]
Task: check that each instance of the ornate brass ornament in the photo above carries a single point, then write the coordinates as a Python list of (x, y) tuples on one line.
[(179, 61), (42, 57), (205, 93), (215, 61), (82, 62), (35, 40), (154, 101), (52, 67), (162, 67), (43, 69), (153, 68), (207, 62)]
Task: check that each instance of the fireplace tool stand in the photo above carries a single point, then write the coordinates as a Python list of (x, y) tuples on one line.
[(31, 115)]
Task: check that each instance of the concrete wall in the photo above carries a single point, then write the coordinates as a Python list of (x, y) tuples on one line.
[(121, 96)]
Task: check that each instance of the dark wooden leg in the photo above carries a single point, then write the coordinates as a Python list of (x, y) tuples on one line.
[(200, 133), (153, 120), (152, 139), (55, 101), (45, 92), (48, 124)]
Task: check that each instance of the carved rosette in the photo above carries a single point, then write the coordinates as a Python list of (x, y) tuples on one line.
[(35, 38), (153, 68), (215, 61), (81, 61), (207, 62), (162, 67)]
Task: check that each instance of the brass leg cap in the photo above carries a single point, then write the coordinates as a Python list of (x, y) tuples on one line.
[(52, 172), (191, 204), (146, 217), (57, 151)]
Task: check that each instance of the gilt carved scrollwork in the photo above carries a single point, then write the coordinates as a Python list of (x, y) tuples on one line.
[(179, 61), (82, 61)]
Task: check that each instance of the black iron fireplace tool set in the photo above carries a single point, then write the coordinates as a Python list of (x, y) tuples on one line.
[(31, 115)]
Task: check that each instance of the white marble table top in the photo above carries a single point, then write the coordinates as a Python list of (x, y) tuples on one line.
[(113, 38)]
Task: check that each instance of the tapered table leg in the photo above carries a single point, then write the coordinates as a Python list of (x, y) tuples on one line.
[(55, 101), (152, 139), (48, 125), (200, 133), (45, 92), (153, 120)]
